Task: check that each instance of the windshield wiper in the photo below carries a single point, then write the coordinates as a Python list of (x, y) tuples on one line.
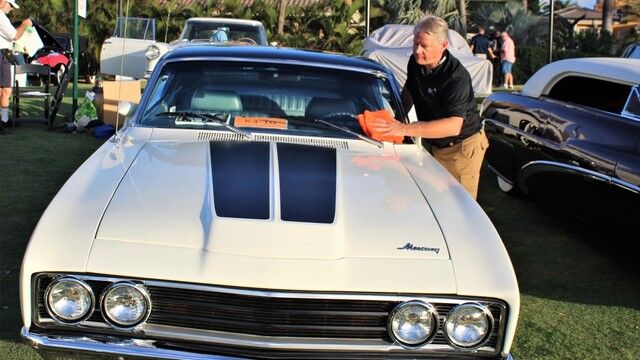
[(207, 118), (365, 138)]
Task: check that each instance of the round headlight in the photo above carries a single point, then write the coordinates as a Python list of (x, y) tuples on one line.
[(468, 325), (413, 323), (152, 52), (125, 304), (69, 300)]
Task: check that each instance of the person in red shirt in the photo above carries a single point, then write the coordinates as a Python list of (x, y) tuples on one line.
[(507, 58)]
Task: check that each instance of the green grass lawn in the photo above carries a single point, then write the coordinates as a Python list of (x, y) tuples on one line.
[(580, 293)]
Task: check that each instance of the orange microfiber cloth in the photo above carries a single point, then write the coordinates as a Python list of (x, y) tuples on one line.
[(368, 116)]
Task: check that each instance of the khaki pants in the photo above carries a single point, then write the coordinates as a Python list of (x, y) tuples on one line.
[(464, 159)]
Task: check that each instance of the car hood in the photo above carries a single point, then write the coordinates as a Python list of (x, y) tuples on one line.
[(275, 201)]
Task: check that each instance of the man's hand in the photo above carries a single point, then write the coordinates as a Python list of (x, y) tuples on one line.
[(386, 127), (27, 22)]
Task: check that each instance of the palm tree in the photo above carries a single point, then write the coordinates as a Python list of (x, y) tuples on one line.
[(607, 16), (462, 13), (282, 11), (525, 28)]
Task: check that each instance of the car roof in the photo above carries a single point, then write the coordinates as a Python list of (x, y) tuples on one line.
[(277, 54), (225, 20), (620, 70)]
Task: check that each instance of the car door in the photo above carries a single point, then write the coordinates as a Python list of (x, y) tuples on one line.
[(124, 52), (593, 137), (626, 183)]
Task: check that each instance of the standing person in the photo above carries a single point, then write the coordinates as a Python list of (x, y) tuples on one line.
[(448, 120), (507, 58), (8, 34), (481, 45)]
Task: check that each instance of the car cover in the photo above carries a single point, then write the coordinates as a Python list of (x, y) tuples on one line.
[(392, 45)]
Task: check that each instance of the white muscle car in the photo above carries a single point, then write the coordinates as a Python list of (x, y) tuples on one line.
[(242, 212), (212, 30)]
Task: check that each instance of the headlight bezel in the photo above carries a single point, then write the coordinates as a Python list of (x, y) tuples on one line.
[(434, 328), (52, 313), (156, 52), (115, 324), (488, 315)]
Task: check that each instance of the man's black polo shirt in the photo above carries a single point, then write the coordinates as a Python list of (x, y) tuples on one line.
[(480, 44), (444, 92)]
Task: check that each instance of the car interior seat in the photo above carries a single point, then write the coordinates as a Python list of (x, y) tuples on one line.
[(343, 112), (216, 101)]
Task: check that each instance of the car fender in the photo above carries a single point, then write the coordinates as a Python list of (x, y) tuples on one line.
[(81, 201)]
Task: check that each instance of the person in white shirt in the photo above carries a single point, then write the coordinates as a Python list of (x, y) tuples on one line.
[(8, 34)]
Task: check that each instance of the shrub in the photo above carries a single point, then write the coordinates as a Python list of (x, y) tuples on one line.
[(529, 59)]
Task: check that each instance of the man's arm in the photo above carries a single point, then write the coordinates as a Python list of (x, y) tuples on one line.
[(435, 129), (23, 26)]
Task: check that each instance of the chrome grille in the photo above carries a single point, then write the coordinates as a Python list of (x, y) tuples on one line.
[(271, 314), (268, 316)]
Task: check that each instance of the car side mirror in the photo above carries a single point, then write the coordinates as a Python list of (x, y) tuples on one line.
[(126, 108)]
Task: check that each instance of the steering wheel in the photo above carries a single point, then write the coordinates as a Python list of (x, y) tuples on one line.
[(334, 114), (247, 40), (343, 119)]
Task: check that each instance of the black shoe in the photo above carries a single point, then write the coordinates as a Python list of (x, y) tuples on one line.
[(4, 131)]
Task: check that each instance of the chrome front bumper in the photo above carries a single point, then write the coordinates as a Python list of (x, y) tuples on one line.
[(53, 347), (68, 347)]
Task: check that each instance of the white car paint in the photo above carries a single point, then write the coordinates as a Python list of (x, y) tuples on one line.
[(140, 231), (125, 55), (620, 70)]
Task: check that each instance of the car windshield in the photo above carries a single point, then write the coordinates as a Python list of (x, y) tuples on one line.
[(221, 32), (305, 100)]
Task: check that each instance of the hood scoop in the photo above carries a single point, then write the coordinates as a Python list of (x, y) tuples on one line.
[(298, 140)]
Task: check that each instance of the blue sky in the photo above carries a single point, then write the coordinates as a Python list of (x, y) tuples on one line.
[(586, 3)]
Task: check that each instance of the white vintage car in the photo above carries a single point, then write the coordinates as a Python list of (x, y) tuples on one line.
[(210, 30), (242, 212)]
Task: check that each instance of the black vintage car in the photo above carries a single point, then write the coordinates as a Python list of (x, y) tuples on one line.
[(572, 136)]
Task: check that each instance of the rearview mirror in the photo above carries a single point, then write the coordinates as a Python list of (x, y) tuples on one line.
[(126, 108)]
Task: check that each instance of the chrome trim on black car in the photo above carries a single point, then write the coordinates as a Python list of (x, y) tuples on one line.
[(587, 172)]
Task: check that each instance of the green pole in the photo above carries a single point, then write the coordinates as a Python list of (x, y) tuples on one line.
[(74, 106)]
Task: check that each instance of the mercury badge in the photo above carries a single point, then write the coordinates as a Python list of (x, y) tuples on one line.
[(410, 246)]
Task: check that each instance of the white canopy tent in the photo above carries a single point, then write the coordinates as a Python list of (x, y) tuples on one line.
[(392, 45)]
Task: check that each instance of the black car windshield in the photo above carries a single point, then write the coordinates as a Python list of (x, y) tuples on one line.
[(222, 32), (265, 96)]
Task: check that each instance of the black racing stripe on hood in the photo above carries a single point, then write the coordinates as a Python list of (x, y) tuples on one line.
[(240, 179), (307, 183)]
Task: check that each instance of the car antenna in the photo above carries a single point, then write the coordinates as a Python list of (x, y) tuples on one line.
[(116, 137)]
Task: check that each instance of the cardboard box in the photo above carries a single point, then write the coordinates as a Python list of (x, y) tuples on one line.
[(115, 91)]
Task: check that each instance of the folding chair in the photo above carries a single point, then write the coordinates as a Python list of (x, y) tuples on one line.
[(42, 72)]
